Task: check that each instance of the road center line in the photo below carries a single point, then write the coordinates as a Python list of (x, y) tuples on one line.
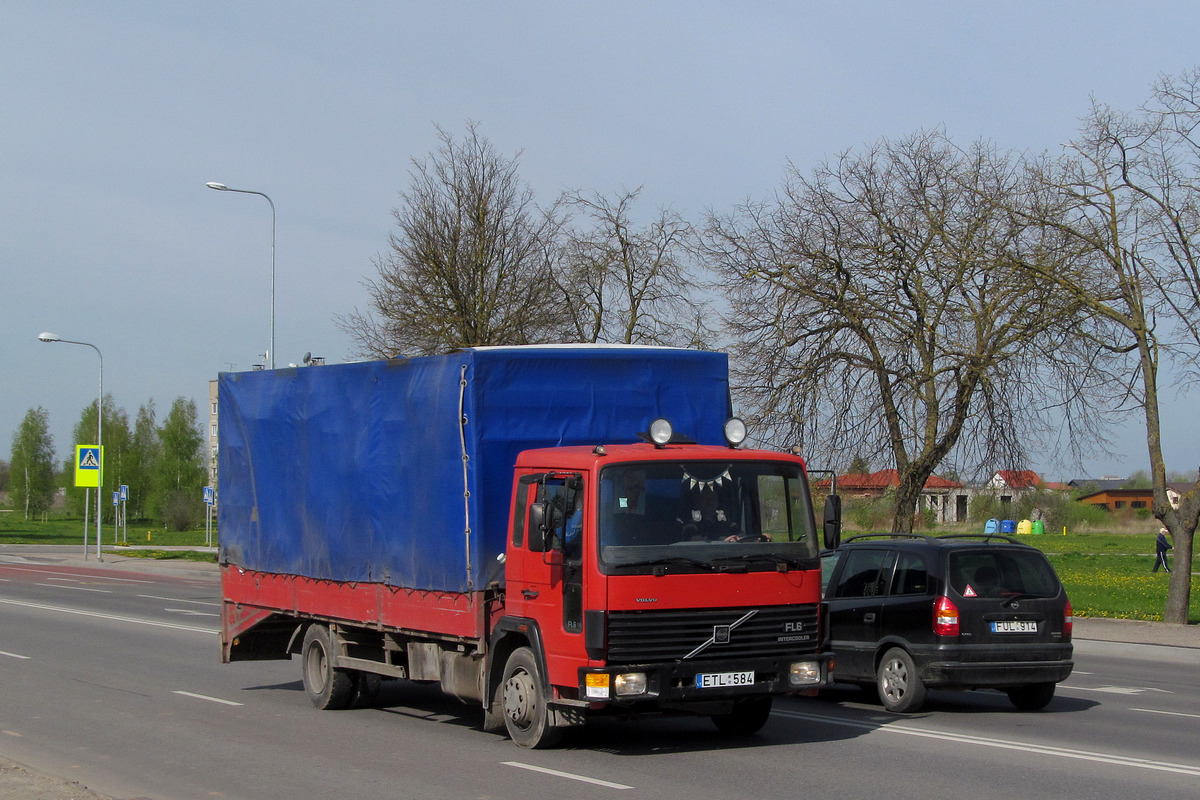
[(14, 655), (1001, 744), (206, 697), (76, 588), (177, 600), (114, 617), (568, 775), (78, 575)]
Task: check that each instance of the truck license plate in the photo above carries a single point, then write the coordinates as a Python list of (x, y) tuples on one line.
[(1014, 626), (713, 680)]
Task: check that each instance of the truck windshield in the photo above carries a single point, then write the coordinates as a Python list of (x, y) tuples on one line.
[(706, 515)]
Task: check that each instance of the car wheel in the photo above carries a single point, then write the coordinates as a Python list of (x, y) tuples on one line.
[(900, 687), (745, 718), (1033, 697), (327, 687)]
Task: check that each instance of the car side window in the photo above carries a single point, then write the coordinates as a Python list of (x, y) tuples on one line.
[(863, 574), (912, 575)]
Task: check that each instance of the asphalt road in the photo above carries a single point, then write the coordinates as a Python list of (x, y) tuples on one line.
[(111, 682)]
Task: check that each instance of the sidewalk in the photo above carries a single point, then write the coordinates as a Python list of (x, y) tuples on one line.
[(1135, 631), (114, 558)]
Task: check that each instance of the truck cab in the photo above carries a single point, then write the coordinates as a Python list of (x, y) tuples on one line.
[(664, 574)]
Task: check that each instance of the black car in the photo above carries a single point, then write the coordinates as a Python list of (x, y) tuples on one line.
[(910, 612)]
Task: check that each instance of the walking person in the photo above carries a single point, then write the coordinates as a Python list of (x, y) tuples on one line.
[(1161, 546)]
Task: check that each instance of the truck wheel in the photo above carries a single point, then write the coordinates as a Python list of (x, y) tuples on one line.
[(525, 713), (1033, 697), (900, 687), (327, 688), (366, 688), (746, 718)]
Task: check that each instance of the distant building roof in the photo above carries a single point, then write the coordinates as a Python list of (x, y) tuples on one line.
[(1017, 479), (1098, 484), (887, 478)]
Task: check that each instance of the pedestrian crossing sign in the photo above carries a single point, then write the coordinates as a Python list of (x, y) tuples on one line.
[(89, 459)]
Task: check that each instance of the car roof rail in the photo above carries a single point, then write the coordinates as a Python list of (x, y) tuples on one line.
[(859, 536), (983, 537)]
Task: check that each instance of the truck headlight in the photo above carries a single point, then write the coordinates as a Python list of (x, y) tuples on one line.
[(804, 673), (629, 683)]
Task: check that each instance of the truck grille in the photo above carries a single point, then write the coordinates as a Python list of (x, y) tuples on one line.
[(711, 633)]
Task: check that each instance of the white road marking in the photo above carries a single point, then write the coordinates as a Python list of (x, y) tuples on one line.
[(14, 655), (76, 575), (178, 600), (76, 588), (1116, 689), (568, 775), (1168, 713), (206, 697), (114, 617), (1001, 744)]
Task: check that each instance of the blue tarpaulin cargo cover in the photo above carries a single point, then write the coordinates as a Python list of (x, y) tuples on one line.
[(355, 472)]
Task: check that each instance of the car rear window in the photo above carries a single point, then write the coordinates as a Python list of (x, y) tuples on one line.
[(1002, 573)]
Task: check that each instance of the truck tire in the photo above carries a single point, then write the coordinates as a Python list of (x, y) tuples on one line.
[(367, 686), (327, 688), (747, 717), (901, 689), (1033, 697), (526, 715)]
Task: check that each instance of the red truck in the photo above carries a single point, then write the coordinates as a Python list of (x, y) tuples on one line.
[(523, 526)]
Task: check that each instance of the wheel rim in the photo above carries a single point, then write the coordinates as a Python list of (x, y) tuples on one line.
[(895, 680), (317, 665), (518, 698)]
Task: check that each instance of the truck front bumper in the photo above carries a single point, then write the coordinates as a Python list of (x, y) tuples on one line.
[(699, 681)]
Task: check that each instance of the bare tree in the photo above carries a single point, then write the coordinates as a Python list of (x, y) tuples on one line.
[(879, 312), (627, 284), (1127, 194), (467, 263)]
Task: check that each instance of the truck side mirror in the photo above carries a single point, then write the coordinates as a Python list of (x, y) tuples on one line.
[(833, 522), (535, 527)]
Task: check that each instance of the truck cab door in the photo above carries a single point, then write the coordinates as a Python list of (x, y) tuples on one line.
[(544, 563)]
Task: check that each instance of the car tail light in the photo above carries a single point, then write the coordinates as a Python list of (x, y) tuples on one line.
[(945, 617), (1068, 620)]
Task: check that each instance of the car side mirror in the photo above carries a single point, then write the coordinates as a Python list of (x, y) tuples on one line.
[(832, 533)]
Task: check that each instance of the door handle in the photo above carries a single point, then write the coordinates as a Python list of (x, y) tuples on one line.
[(529, 593), (869, 617)]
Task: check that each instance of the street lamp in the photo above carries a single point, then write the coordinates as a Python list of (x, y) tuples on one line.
[(53, 337), (220, 187)]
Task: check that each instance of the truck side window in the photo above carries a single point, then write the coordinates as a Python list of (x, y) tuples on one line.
[(522, 503)]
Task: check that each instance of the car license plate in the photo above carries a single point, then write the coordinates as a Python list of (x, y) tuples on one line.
[(713, 680), (1014, 626)]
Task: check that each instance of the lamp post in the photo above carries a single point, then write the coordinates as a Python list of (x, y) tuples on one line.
[(52, 337), (220, 187)]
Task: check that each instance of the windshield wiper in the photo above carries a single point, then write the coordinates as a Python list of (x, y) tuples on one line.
[(1013, 598), (660, 564), (782, 561)]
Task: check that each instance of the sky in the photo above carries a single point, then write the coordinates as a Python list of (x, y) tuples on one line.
[(114, 116)]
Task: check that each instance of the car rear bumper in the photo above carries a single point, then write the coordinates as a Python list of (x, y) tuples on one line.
[(995, 674)]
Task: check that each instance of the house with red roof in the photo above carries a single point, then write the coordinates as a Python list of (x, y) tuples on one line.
[(947, 499)]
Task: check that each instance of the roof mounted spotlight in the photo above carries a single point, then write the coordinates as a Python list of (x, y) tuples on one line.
[(735, 431), (797, 450), (661, 432)]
